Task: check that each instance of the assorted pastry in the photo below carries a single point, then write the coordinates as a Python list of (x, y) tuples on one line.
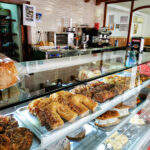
[(61, 106), (13, 137), (100, 91), (117, 141)]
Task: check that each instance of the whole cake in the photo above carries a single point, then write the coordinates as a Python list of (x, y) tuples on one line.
[(8, 73)]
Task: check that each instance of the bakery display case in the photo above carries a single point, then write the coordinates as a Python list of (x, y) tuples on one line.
[(91, 101)]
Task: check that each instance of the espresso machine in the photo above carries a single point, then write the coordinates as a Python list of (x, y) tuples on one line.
[(98, 38)]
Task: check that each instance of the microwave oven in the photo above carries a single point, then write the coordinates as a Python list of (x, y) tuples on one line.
[(64, 39), (61, 38)]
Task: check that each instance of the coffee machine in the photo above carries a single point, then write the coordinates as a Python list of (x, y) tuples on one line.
[(98, 38)]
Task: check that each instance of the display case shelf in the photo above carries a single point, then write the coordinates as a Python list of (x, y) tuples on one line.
[(101, 135), (47, 137)]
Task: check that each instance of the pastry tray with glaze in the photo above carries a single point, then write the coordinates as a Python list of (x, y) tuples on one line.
[(35, 142), (47, 137)]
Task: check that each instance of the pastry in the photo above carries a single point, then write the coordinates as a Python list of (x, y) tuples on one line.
[(117, 141), (81, 104), (78, 103), (77, 135), (7, 122), (61, 105), (20, 138), (86, 74), (63, 144), (102, 96), (83, 90), (122, 109), (50, 112), (8, 73), (136, 120), (107, 119)]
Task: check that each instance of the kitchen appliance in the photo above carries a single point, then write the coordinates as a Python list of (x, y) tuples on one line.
[(64, 39), (98, 38)]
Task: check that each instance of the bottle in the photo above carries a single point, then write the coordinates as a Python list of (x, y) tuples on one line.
[(47, 85), (131, 58)]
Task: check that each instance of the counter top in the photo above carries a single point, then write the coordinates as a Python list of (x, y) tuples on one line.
[(46, 53)]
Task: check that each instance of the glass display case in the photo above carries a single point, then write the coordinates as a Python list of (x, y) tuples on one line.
[(97, 99)]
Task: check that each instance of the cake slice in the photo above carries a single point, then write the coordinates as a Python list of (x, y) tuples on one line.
[(107, 119), (122, 109)]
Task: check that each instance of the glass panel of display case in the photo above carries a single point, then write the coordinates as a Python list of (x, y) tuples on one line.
[(40, 78)]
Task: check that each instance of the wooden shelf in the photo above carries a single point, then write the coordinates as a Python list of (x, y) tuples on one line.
[(9, 34), (10, 20)]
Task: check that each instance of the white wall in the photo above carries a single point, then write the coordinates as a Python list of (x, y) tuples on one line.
[(117, 13), (143, 28), (55, 10)]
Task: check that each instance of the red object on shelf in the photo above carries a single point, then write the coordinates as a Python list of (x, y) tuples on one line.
[(145, 69), (148, 148), (97, 25)]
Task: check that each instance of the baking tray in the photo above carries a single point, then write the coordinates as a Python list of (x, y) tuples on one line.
[(47, 136), (35, 142)]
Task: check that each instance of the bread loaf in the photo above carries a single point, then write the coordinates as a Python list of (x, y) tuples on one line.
[(8, 73)]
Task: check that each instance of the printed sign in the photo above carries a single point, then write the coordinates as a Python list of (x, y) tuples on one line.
[(29, 15)]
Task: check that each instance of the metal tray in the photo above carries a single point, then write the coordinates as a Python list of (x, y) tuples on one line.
[(47, 136), (35, 142)]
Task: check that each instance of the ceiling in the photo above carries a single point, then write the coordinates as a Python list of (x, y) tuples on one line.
[(137, 3)]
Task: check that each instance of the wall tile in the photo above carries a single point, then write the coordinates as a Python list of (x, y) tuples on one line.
[(54, 11)]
